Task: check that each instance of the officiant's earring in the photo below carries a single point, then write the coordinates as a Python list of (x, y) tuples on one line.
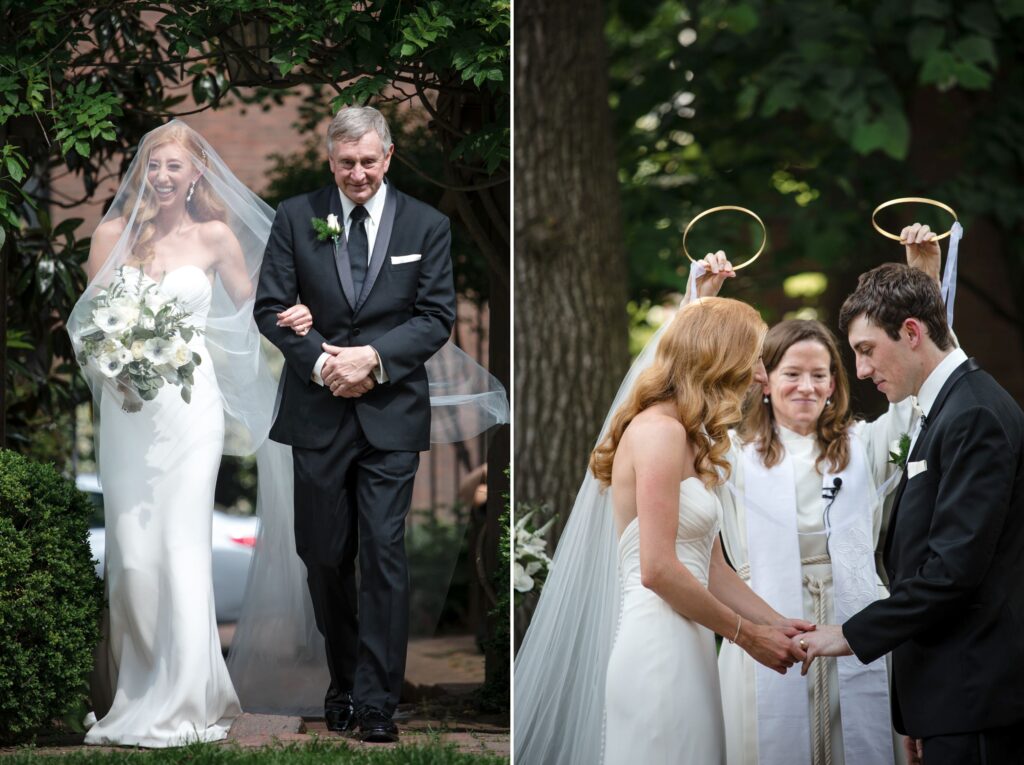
[(765, 399), (191, 191), (828, 401)]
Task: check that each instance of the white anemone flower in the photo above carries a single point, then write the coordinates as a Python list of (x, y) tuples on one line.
[(111, 364), (112, 320), (157, 350)]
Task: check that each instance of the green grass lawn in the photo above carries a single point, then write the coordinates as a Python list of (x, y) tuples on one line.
[(318, 751)]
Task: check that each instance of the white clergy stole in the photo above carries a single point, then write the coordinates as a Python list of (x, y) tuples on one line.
[(773, 547)]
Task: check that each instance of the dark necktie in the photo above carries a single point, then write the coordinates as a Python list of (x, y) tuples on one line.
[(358, 248)]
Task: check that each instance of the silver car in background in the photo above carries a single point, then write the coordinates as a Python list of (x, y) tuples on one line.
[(234, 537)]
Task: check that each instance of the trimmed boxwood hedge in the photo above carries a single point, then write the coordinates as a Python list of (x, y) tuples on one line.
[(50, 596)]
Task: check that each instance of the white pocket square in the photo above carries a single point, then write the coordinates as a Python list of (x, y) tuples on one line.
[(914, 468), (397, 260)]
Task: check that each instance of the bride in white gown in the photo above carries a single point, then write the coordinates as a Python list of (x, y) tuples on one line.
[(183, 228), (179, 230), (636, 680)]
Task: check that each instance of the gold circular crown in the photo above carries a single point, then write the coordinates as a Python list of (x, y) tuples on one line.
[(907, 200), (721, 208)]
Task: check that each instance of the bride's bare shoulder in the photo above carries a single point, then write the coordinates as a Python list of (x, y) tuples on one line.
[(109, 230), (102, 243), (657, 434), (216, 232)]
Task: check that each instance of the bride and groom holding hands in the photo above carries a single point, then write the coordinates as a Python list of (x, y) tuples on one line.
[(619, 664), (371, 266)]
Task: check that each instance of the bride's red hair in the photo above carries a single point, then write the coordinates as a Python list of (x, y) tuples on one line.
[(704, 364)]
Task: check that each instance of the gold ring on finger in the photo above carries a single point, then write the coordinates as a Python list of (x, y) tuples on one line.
[(722, 208), (911, 200), (803, 644)]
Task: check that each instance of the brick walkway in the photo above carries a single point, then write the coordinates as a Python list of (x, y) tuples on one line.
[(441, 673)]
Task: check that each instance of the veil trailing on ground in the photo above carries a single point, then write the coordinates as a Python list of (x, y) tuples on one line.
[(277, 659), (561, 664)]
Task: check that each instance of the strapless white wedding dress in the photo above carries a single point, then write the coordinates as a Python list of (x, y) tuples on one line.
[(662, 699), (161, 679)]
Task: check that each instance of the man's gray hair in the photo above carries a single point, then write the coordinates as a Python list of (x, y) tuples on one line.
[(353, 122)]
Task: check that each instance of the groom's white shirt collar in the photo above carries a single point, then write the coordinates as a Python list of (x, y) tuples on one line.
[(933, 384)]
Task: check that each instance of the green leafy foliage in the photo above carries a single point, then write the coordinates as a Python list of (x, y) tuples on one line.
[(811, 113), (81, 83), (49, 612)]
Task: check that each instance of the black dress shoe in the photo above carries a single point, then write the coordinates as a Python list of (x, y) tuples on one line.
[(341, 718), (376, 727)]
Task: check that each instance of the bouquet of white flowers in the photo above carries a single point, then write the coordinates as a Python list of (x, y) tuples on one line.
[(138, 338)]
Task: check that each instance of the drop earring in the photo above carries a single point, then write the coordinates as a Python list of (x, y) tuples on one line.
[(191, 191), (765, 399)]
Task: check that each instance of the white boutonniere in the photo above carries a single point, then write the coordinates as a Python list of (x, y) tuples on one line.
[(327, 229), (899, 450)]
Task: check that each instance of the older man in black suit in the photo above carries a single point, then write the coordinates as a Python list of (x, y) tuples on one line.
[(954, 555), (374, 268)]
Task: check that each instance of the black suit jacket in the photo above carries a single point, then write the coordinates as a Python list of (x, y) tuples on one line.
[(405, 311), (954, 620)]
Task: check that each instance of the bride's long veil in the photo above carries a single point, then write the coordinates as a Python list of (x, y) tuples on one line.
[(560, 668), (277, 659)]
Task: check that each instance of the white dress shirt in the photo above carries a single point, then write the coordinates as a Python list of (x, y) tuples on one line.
[(933, 384), (375, 209)]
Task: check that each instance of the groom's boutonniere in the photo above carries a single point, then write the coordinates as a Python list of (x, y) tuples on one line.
[(898, 451), (327, 229)]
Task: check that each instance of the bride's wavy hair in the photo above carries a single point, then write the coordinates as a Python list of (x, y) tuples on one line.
[(703, 364), (758, 425), (203, 206)]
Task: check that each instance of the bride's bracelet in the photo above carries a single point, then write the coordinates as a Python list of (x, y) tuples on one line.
[(739, 623)]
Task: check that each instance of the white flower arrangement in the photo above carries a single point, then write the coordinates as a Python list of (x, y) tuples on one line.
[(327, 229), (138, 339), (898, 451), (530, 554)]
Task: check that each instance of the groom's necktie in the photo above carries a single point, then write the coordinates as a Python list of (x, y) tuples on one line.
[(358, 248)]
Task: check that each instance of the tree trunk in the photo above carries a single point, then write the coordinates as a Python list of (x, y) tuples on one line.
[(570, 275)]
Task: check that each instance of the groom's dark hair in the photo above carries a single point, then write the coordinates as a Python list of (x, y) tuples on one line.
[(892, 293)]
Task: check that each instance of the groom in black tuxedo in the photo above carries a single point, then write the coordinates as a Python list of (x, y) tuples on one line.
[(954, 552), (375, 271)]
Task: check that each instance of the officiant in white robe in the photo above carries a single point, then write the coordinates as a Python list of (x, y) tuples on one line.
[(813, 719)]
